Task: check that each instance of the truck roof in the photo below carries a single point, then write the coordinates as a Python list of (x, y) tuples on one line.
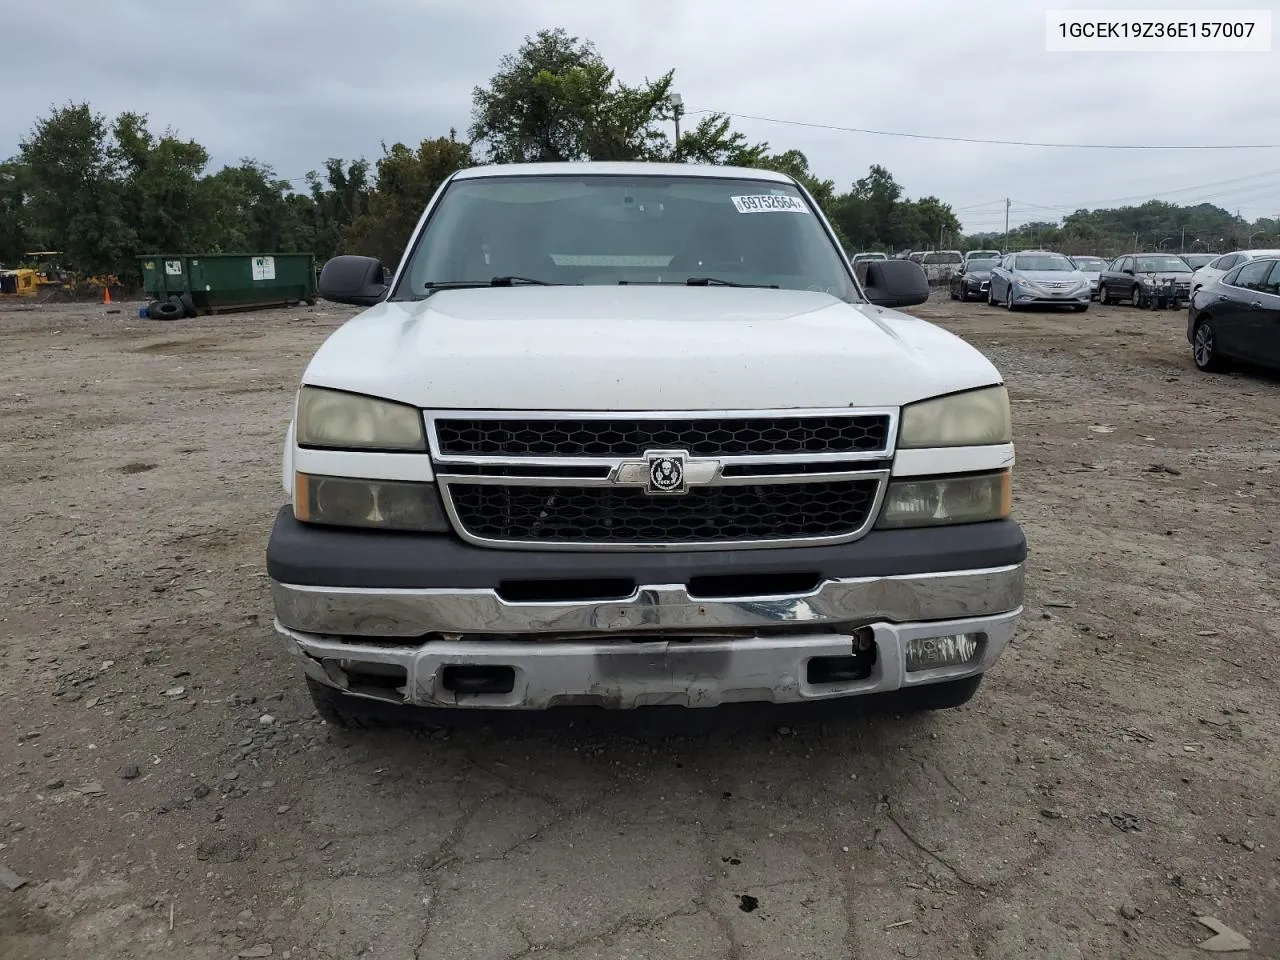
[(618, 169)]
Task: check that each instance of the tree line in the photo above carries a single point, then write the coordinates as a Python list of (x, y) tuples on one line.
[(105, 191), (1154, 225)]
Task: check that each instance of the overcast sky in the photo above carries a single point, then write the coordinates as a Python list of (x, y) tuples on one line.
[(292, 82)]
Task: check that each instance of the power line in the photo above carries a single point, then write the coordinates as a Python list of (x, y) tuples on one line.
[(1202, 186), (1201, 197), (999, 143), (1248, 192)]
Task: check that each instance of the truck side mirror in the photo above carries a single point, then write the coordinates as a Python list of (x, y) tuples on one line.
[(358, 281), (896, 283)]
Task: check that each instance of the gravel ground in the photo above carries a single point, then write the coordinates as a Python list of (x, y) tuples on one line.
[(167, 791)]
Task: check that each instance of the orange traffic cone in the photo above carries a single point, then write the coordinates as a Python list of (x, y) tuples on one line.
[(106, 296)]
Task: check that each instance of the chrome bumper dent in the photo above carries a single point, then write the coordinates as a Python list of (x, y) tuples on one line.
[(624, 675), (358, 612)]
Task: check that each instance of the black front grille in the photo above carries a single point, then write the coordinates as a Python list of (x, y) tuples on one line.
[(604, 515), (631, 437)]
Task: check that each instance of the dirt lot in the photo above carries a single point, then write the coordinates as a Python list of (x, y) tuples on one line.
[(166, 790)]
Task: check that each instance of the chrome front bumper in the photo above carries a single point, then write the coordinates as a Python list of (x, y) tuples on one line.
[(658, 646)]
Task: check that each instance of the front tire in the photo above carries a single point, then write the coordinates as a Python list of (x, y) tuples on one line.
[(1008, 299), (1204, 347), (1137, 296), (354, 713)]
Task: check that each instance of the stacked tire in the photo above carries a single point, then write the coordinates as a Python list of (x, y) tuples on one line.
[(174, 308)]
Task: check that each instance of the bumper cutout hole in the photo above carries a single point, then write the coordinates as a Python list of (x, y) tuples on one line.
[(477, 680), (841, 669)]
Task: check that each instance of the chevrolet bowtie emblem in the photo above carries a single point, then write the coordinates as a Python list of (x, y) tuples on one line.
[(666, 472)]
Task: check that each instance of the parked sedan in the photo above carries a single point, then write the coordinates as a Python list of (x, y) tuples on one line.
[(1222, 265), (1092, 268), (972, 279), (1237, 317), (1038, 278), (1139, 277)]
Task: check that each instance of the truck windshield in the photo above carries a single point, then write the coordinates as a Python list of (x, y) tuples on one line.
[(608, 230)]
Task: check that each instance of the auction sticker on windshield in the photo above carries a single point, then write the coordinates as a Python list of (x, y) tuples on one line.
[(769, 204)]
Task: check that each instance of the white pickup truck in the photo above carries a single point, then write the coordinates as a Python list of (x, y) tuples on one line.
[(630, 434)]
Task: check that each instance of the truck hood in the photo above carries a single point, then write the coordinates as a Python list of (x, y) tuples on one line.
[(643, 348)]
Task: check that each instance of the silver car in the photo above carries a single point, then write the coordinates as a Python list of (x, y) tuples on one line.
[(1039, 278), (1092, 268), (1220, 266)]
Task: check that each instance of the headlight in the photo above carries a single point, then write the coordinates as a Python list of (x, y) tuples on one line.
[(349, 421), (971, 419), (948, 500), (379, 504)]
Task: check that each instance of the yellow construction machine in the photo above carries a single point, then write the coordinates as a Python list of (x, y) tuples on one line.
[(45, 279), (35, 280)]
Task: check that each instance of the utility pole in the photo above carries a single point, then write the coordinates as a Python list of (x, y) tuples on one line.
[(1006, 224), (677, 108), (1182, 247)]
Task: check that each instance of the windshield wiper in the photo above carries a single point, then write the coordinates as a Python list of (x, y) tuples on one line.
[(491, 282), (717, 282)]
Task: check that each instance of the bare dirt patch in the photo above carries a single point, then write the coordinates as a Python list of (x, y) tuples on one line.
[(166, 790)]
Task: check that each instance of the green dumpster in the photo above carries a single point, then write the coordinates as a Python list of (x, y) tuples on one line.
[(218, 282)]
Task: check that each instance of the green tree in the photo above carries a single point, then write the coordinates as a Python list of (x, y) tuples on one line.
[(13, 212), (715, 141), (555, 99), (251, 212), (406, 181), (160, 187), (881, 195), (933, 221), (337, 201), (872, 215), (75, 197)]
